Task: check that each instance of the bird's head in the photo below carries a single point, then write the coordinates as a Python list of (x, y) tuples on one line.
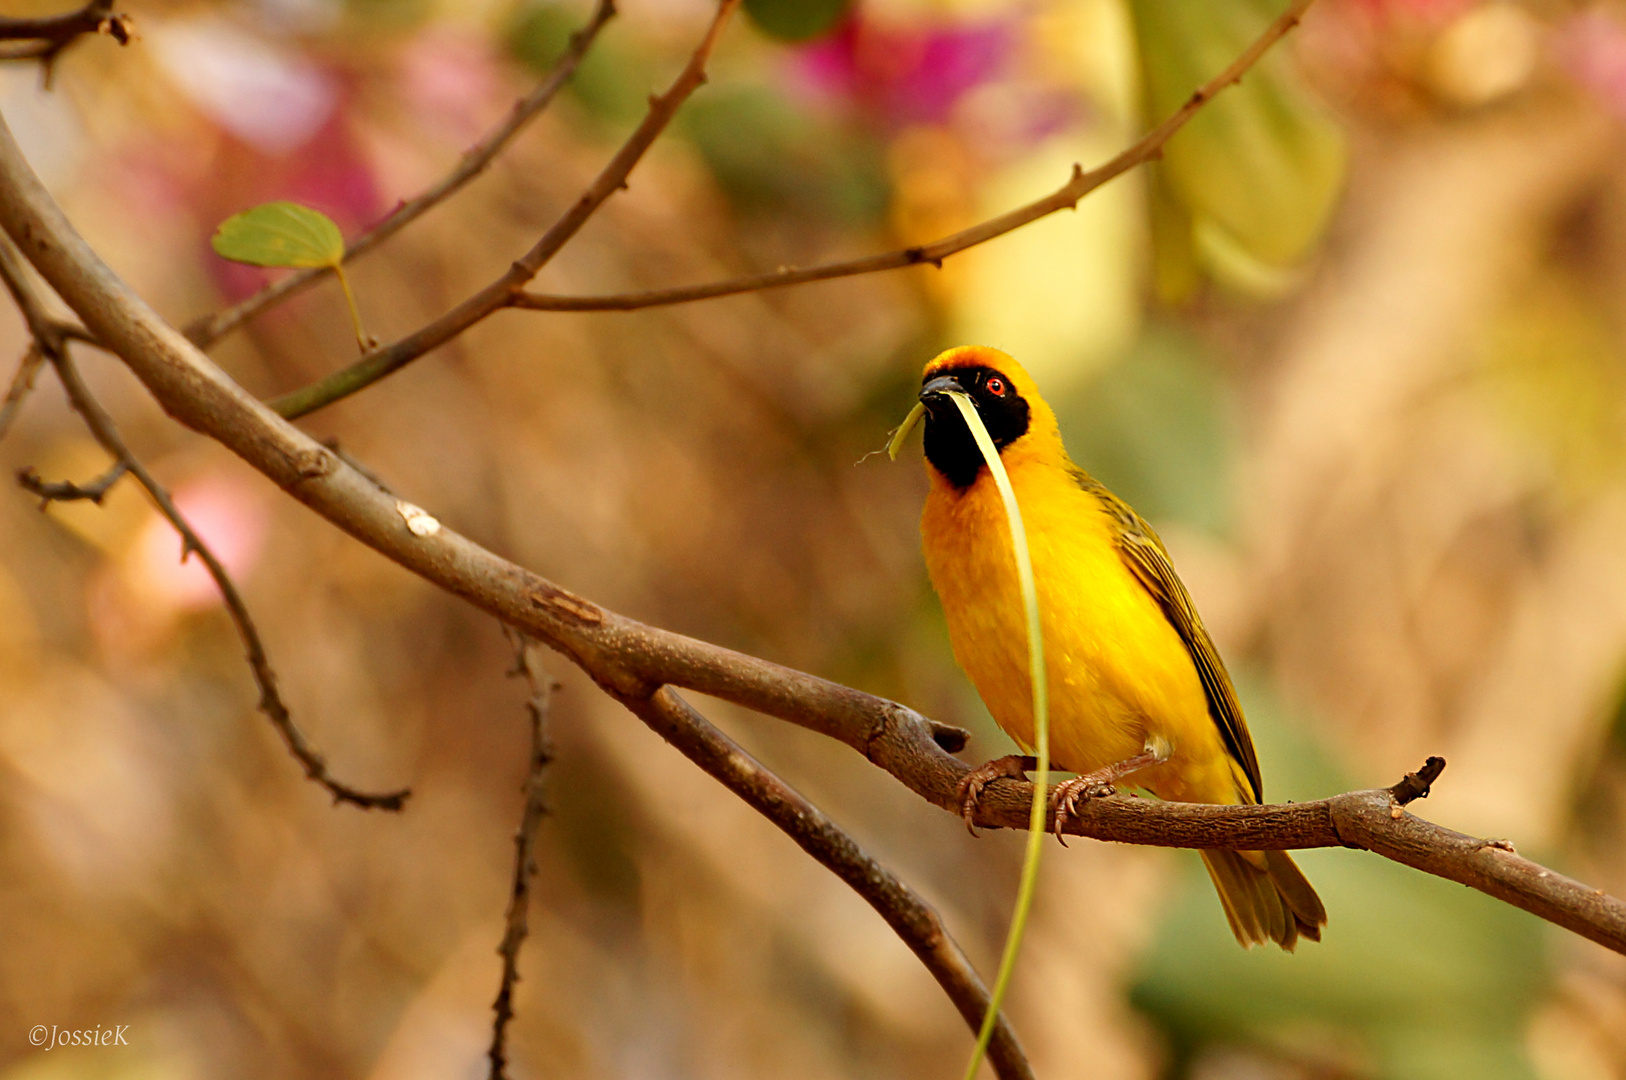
[(1006, 398)]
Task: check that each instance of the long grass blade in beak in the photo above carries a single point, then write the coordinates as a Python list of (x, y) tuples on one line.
[(1041, 718), (894, 445)]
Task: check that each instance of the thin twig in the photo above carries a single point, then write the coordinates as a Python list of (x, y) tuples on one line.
[(21, 383), (44, 39), (633, 660), (50, 341), (208, 329), (910, 917), (505, 292), (500, 293), (1148, 148), (102, 427), (519, 898), (66, 490)]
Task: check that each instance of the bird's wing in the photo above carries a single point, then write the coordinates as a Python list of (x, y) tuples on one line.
[(1146, 557)]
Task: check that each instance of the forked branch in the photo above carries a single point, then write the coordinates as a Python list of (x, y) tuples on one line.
[(1148, 148), (500, 293), (508, 291)]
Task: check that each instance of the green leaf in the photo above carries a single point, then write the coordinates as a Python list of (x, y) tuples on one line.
[(280, 234), (1257, 171), (796, 20)]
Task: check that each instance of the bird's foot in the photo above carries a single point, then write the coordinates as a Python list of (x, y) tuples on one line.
[(1009, 767), (1065, 800)]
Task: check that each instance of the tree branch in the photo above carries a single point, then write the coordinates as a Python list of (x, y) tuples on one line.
[(68, 491), (500, 293), (21, 383), (517, 922), (44, 39), (506, 293), (633, 661), (49, 340), (910, 917), (207, 330)]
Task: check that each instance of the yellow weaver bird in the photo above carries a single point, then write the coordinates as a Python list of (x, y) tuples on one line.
[(1136, 685)]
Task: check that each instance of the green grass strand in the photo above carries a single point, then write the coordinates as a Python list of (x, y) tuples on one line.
[(1041, 727)]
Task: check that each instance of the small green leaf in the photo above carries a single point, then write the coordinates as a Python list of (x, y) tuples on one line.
[(280, 234)]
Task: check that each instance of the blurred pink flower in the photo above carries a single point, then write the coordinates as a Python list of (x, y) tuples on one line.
[(269, 96), (1427, 12), (1591, 49), (229, 517), (904, 75), (449, 79), (329, 172)]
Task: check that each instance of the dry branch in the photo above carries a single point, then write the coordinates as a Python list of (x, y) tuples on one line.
[(50, 491), (21, 383), (508, 291), (211, 328), (517, 920), (49, 340), (45, 39), (500, 293), (1148, 148), (633, 661), (910, 917)]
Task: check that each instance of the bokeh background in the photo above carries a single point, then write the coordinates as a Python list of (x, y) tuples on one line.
[(1357, 347)]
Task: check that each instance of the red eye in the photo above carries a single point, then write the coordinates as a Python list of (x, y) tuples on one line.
[(996, 386)]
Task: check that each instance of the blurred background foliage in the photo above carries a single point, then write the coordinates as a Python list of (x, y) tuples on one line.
[(1355, 346)]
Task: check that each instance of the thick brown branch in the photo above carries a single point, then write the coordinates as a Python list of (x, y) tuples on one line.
[(633, 661), (500, 293), (910, 917), (1148, 148), (211, 328), (517, 921)]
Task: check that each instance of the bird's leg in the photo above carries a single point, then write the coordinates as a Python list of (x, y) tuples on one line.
[(1011, 766), (1069, 793)]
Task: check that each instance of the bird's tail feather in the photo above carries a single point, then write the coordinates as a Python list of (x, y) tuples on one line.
[(1266, 897)]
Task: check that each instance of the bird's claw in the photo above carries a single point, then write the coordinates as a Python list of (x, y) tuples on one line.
[(1064, 801), (1010, 767)]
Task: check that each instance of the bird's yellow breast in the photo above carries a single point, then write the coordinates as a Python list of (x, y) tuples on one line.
[(1119, 671)]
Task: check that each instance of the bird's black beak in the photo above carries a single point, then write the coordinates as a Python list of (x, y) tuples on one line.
[(939, 388)]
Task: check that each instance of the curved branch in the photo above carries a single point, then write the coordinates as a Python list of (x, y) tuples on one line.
[(910, 917), (207, 330), (499, 294), (106, 432), (50, 341), (633, 661), (505, 292)]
